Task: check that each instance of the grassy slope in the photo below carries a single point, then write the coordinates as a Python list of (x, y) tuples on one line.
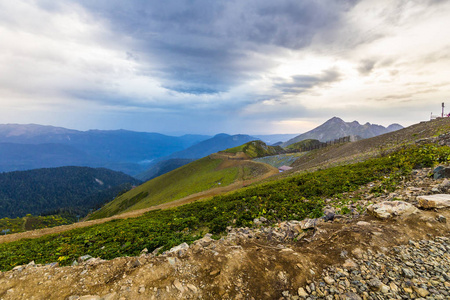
[(297, 197), (198, 176), (304, 144), (255, 149)]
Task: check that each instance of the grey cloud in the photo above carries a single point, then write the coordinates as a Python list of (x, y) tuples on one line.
[(366, 66), (409, 96), (302, 83), (201, 42)]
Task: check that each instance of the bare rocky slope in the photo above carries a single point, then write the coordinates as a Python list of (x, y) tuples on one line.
[(358, 256), (336, 128)]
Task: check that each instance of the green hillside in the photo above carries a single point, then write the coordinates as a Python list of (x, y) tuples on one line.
[(299, 196), (304, 144), (198, 176), (29, 222), (41, 191), (255, 149)]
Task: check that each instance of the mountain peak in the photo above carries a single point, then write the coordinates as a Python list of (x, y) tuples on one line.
[(336, 128), (335, 120)]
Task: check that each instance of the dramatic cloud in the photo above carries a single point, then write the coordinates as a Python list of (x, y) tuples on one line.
[(302, 83), (205, 66)]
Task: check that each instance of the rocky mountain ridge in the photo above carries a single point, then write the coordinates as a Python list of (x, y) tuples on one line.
[(335, 128)]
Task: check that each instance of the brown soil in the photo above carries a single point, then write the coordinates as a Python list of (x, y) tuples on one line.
[(236, 268)]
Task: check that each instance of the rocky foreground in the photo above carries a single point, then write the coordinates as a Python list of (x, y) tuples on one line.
[(389, 246)]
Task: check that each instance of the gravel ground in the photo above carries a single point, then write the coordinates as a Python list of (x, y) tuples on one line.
[(419, 270)]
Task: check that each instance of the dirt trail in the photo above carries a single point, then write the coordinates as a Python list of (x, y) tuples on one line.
[(136, 213)]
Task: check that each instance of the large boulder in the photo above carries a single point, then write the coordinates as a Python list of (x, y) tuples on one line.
[(388, 209), (434, 201)]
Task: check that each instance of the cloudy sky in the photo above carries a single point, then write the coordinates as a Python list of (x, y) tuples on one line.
[(202, 66)]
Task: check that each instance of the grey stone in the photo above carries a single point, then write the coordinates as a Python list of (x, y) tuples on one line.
[(308, 223), (84, 258), (375, 284), (350, 296), (179, 250), (388, 209), (408, 272), (434, 201), (441, 172)]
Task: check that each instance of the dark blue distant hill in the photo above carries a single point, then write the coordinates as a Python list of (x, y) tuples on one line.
[(70, 188), (25, 147)]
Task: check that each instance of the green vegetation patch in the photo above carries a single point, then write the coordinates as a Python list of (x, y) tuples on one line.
[(255, 149), (296, 197), (305, 144), (8, 226), (192, 178)]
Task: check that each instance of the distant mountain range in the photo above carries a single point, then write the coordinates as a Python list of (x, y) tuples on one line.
[(70, 188), (140, 154), (335, 128), (24, 147)]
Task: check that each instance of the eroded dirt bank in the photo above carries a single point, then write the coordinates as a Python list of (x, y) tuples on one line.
[(259, 263)]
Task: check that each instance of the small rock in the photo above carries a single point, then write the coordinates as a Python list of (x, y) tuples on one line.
[(110, 296), (362, 223), (442, 219), (156, 251), (329, 280), (179, 250), (214, 272), (393, 287), (350, 264), (421, 292), (134, 263), (90, 297), (408, 290), (384, 289), (302, 293), (375, 284), (350, 296), (308, 223), (441, 172), (178, 285), (192, 287), (84, 258), (408, 272)]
